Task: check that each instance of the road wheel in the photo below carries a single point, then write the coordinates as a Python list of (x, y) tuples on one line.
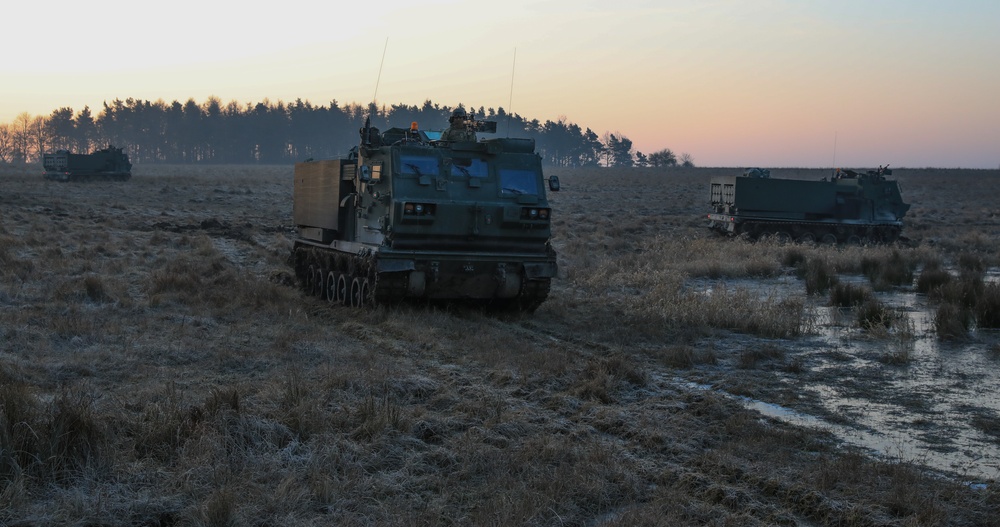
[(343, 289), (309, 280), (807, 238), (782, 237), (356, 299), (318, 283), (331, 287), (366, 292)]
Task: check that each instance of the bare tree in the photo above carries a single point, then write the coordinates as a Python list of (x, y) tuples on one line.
[(686, 160), (605, 149), (39, 137), (6, 143), (21, 136)]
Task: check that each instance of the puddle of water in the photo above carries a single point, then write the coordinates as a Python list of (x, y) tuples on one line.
[(893, 442), (909, 397)]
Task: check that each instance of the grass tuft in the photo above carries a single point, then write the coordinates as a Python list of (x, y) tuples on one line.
[(970, 263), (932, 278), (751, 358), (873, 314), (818, 274), (987, 308), (94, 286), (794, 257), (376, 416), (849, 295), (219, 510), (952, 321), (57, 442), (885, 271), (685, 357)]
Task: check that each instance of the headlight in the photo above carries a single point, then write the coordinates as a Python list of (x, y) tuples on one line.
[(418, 209), (531, 213)]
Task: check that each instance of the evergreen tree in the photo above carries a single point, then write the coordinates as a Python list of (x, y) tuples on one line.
[(663, 158), (266, 132), (85, 130), (60, 129)]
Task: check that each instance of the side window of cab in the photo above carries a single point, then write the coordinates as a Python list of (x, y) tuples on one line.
[(470, 167)]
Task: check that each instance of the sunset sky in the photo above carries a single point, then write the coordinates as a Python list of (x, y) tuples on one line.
[(773, 83)]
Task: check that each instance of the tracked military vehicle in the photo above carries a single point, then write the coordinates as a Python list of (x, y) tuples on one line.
[(850, 207), (105, 164), (407, 215)]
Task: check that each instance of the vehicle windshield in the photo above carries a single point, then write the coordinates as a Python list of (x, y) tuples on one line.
[(515, 182), (470, 168), (418, 165)]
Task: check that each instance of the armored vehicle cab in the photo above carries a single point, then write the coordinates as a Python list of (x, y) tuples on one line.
[(407, 215)]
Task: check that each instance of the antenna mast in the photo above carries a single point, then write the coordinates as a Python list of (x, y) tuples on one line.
[(511, 101), (379, 78), (834, 150)]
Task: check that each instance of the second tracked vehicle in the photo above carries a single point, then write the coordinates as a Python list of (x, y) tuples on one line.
[(407, 215), (850, 207), (104, 164)]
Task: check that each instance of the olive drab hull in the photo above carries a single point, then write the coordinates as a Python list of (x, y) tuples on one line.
[(850, 207), (105, 164), (408, 217)]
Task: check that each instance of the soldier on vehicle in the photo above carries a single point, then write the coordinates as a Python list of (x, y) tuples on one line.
[(459, 129)]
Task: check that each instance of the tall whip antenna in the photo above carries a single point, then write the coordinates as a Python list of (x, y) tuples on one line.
[(511, 101), (379, 79), (835, 151)]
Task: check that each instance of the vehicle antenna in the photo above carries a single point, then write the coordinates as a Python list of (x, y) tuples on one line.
[(379, 78), (511, 101), (835, 151)]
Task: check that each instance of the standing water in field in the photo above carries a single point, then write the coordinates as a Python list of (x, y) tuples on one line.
[(897, 390)]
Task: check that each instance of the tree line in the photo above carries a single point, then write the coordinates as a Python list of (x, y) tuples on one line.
[(277, 133)]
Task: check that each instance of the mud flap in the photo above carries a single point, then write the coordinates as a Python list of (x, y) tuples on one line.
[(537, 270), (393, 266)]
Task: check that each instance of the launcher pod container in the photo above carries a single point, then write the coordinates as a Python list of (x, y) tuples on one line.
[(407, 215), (850, 207), (105, 164)]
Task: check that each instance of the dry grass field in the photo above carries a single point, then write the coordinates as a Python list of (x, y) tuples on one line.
[(159, 367)]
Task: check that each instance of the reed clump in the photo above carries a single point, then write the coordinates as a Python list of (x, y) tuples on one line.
[(736, 309), (818, 274), (885, 271), (873, 314), (849, 295), (932, 277), (685, 357), (751, 357), (54, 441), (987, 308), (965, 302), (952, 321)]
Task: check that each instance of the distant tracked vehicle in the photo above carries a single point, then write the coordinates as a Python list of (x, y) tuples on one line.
[(851, 207), (105, 164), (409, 216)]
